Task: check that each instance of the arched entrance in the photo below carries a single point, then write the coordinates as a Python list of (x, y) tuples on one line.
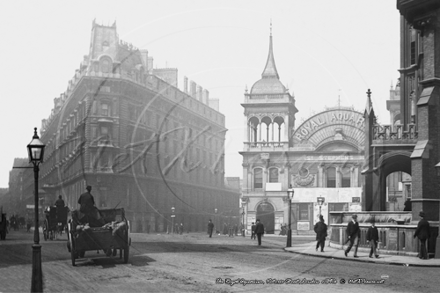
[(266, 214), (389, 163)]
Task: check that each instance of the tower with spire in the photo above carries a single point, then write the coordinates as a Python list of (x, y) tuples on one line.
[(269, 111)]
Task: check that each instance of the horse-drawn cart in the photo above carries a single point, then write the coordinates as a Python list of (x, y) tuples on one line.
[(111, 237), (55, 221)]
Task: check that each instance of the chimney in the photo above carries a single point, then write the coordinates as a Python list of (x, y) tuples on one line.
[(192, 89), (185, 84), (150, 64), (144, 55), (206, 97), (199, 93)]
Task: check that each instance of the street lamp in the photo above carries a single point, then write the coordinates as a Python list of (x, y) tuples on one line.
[(321, 201), (216, 219), (290, 193), (172, 219), (36, 153)]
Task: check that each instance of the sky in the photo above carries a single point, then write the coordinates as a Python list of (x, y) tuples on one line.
[(325, 52)]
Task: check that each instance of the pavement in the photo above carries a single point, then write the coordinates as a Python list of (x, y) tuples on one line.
[(363, 253)]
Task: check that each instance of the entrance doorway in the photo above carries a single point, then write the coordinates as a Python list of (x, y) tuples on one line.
[(266, 214)]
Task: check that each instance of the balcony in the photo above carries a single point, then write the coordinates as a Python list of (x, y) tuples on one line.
[(266, 146)]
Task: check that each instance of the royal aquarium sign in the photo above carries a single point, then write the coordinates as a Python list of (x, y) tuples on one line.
[(329, 118)]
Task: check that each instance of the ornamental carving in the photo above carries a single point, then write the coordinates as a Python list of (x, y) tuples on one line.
[(304, 181)]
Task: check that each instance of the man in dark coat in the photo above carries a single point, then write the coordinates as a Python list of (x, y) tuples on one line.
[(259, 230), (373, 238), (253, 230), (86, 201), (353, 233), (321, 233), (423, 232), (88, 208), (210, 228), (59, 203)]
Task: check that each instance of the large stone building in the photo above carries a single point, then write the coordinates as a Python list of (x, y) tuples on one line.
[(412, 145), (323, 157), (139, 141)]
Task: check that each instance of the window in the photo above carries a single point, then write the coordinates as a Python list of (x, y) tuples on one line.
[(258, 178), (413, 46), (105, 109), (346, 177), (331, 177), (303, 211), (273, 175), (105, 66)]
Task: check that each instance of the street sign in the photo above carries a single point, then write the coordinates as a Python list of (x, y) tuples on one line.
[(172, 216), (30, 206)]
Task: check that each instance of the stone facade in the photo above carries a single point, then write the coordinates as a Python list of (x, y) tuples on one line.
[(141, 143), (321, 158)]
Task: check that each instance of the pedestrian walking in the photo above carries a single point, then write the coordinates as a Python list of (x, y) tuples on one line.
[(210, 228), (231, 230), (373, 238), (321, 232), (423, 233), (253, 227), (353, 233), (181, 229), (259, 230), (225, 228)]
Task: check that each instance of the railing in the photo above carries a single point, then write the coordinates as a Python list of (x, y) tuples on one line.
[(394, 132), (257, 98), (396, 231), (271, 144)]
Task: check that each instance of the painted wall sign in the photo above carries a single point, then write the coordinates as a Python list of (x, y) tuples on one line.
[(336, 117)]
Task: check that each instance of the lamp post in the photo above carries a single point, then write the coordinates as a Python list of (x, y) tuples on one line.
[(216, 220), (320, 200), (172, 219), (290, 193), (36, 153)]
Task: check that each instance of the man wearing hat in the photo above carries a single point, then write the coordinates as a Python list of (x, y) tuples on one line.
[(353, 233), (373, 238), (321, 232), (423, 233)]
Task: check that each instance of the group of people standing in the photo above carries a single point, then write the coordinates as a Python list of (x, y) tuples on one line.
[(257, 230)]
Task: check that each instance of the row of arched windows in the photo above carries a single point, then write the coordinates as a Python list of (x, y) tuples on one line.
[(266, 129)]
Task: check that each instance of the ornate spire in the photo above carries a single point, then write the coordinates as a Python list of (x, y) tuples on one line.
[(270, 71), (369, 105)]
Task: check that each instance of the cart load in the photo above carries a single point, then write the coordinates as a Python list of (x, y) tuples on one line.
[(108, 232)]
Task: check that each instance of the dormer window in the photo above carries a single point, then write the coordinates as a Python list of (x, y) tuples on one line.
[(105, 64)]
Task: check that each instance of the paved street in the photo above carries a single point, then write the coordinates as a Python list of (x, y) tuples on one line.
[(195, 263)]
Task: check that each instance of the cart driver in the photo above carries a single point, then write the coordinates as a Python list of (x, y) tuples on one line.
[(88, 208), (60, 202), (87, 202)]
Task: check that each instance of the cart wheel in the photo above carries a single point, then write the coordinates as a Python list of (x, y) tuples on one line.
[(73, 256), (45, 227), (126, 252), (71, 245)]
